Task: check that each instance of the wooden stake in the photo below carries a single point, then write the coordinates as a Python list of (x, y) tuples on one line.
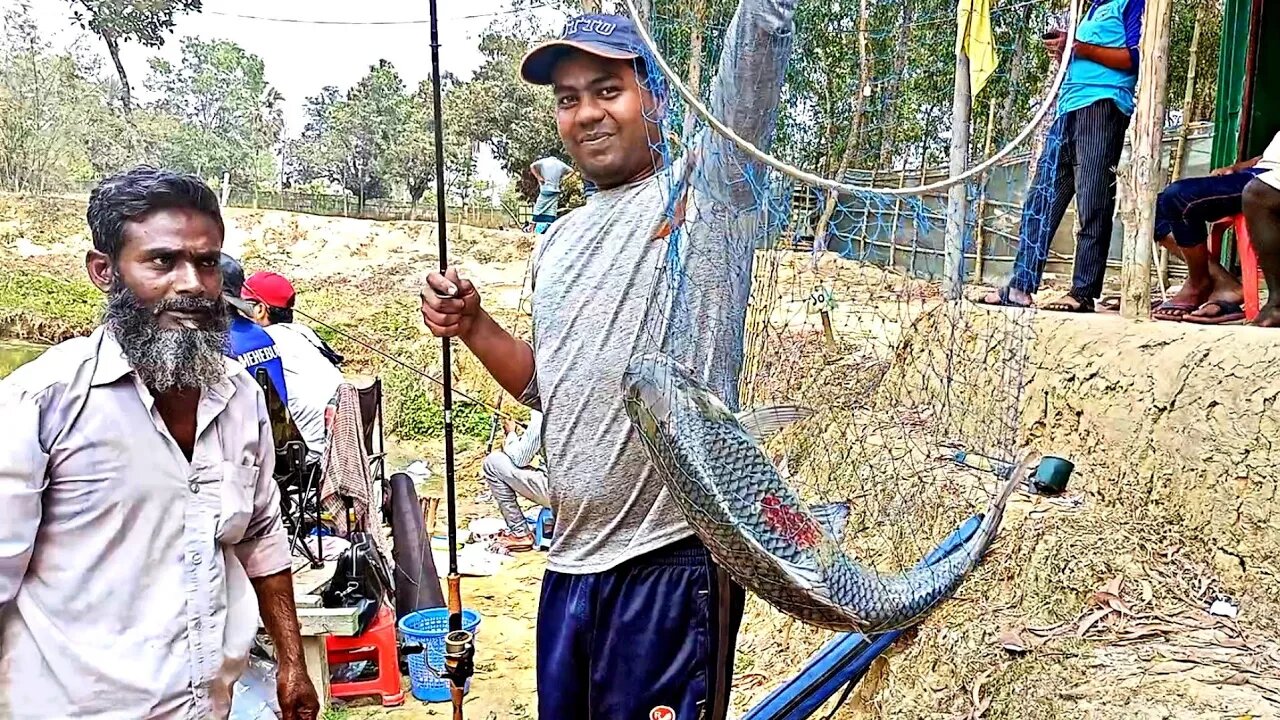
[(1142, 177)]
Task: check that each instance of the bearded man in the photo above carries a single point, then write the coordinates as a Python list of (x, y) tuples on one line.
[(140, 528)]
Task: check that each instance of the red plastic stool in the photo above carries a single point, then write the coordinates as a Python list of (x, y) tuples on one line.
[(378, 644), (1249, 270)]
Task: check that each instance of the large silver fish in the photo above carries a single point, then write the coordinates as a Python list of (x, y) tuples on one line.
[(757, 528)]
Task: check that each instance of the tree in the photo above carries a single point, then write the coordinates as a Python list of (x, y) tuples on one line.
[(230, 118), (354, 140), (412, 160), (516, 119), (143, 21), (55, 125)]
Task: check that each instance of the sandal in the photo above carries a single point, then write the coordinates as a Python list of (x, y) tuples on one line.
[(1173, 312), (1085, 305), (1003, 294), (1224, 312)]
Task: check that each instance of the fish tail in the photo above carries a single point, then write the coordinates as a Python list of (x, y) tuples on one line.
[(921, 589)]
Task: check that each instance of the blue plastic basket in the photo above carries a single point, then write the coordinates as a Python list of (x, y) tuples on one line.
[(428, 627)]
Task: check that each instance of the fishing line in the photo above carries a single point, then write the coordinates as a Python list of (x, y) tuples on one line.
[(337, 331)]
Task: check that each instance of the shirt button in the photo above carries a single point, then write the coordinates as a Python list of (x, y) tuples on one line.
[(200, 692), (194, 487), (196, 559)]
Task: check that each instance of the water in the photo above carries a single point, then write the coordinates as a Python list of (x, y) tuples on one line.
[(14, 354)]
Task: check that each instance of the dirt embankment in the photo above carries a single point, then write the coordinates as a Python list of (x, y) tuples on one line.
[(1094, 604)]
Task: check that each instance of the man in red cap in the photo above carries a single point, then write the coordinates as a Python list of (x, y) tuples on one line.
[(310, 371)]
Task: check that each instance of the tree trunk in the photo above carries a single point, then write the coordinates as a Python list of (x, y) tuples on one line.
[(1140, 179), (852, 141), (126, 95), (695, 63), (1017, 67), (901, 51)]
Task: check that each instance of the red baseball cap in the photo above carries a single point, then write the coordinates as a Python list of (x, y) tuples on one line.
[(268, 288)]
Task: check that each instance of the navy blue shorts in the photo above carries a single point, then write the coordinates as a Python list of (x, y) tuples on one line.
[(652, 639)]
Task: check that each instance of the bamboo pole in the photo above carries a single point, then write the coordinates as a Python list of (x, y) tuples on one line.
[(1140, 179), (957, 195), (1179, 154), (979, 230)]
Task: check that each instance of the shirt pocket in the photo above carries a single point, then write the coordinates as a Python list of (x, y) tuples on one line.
[(239, 483)]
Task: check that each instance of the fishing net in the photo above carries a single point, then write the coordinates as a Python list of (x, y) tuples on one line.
[(779, 287)]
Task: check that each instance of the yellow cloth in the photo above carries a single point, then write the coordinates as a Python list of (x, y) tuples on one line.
[(974, 17)]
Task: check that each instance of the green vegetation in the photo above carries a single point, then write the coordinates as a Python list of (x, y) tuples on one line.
[(43, 308)]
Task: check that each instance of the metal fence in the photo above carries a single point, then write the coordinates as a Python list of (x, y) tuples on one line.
[(347, 206)]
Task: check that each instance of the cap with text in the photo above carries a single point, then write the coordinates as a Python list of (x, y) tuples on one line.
[(608, 36)]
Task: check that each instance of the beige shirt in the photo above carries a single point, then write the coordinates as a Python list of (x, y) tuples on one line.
[(124, 568)]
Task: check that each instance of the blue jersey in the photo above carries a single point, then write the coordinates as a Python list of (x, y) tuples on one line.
[(1107, 23), (252, 347)]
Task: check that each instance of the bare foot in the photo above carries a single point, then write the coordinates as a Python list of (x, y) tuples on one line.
[(1268, 316)]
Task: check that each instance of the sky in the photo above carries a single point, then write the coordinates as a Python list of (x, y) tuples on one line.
[(302, 58)]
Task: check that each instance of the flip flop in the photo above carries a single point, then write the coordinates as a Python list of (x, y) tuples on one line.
[(1172, 311), (1227, 312), (1003, 294), (1085, 306)]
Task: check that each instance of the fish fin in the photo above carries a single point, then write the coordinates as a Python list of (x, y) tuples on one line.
[(763, 423), (833, 517)]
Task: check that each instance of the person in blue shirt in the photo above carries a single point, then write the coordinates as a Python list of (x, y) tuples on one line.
[(1080, 155), (249, 344)]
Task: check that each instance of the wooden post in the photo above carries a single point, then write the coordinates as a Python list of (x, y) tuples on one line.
[(1142, 177), (957, 195)]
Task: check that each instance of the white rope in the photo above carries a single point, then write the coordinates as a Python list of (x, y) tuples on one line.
[(841, 187)]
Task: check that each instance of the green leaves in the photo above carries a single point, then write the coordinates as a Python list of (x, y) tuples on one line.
[(228, 117)]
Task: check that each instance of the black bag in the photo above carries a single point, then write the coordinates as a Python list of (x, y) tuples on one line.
[(360, 580)]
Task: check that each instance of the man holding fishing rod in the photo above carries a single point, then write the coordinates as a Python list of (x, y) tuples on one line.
[(635, 619)]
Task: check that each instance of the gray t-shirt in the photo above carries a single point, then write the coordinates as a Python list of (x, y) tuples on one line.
[(553, 170), (594, 276)]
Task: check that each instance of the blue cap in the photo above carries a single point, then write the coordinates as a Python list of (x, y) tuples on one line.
[(608, 36)]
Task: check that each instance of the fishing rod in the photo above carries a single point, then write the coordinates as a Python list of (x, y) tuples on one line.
[(459, 645)]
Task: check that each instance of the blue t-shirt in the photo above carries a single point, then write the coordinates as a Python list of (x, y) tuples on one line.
[(252, 347), (1107, 23)]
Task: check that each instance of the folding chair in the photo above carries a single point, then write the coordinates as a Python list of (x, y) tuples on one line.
[(292, 472), (374, 440)]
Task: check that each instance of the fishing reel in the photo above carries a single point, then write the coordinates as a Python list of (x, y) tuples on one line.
[(459, 657)]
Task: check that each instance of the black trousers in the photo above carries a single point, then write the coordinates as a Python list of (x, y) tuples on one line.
[(1079, 159)]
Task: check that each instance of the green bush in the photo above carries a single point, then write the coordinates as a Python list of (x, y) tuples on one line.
[(415, 410)]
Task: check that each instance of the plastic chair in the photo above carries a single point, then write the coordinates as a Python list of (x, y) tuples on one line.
[(1249, 270), (377, 644)]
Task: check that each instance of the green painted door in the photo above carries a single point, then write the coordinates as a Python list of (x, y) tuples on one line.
[(1262, 117)]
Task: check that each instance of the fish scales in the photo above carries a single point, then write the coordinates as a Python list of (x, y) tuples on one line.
[(758, 528)]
